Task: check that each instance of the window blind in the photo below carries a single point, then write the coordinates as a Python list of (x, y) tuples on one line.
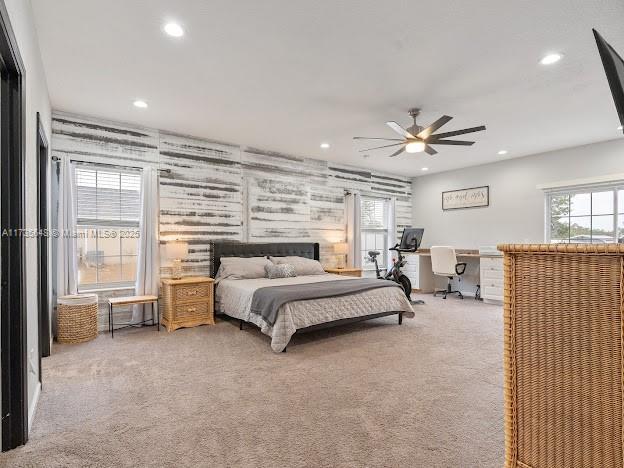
[(107, 197), (373, 213)]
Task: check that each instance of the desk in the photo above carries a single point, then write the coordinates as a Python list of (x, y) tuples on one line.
[(485, 270), (466, 253)]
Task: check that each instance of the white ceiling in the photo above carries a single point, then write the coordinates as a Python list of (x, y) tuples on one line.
[(286, 75)]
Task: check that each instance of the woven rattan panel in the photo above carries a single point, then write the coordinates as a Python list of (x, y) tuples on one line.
[(564, 355)]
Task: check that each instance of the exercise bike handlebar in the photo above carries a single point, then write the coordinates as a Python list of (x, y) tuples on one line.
[(397, 249)]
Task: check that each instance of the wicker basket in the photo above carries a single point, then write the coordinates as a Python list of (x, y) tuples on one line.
[(563, 355), (77, 318)]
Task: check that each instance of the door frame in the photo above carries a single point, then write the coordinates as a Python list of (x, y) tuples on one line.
[(43, 290), (13, 352)]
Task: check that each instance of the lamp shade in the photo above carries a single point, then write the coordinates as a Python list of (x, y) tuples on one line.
[(341, 248), (176, 250)]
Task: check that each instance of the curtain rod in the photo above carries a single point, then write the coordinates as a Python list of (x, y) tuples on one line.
[(57, 159), (372, 195)]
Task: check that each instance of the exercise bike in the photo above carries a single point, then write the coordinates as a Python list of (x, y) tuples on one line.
[(410, 242)]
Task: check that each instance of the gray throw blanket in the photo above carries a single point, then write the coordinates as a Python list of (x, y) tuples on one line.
[(267, 301)]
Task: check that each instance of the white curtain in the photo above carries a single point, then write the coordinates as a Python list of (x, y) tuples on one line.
[(148, 265), (392, 228), (67, 265), (354, 237)]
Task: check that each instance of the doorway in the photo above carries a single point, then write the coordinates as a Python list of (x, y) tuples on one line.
[(42, 245), (14, 387)]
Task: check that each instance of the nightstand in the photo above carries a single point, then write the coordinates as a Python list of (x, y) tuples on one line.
[(187, 302), (345, 271)]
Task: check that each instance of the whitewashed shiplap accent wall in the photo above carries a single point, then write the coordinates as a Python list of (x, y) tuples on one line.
[(217, 191)]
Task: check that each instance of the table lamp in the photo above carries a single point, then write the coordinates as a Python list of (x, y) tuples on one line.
[(176, 251), (342, 249)]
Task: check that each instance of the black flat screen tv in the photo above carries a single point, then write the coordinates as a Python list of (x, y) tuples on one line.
[(614, 68)]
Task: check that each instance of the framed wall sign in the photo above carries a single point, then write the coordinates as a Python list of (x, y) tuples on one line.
[(475, 197)]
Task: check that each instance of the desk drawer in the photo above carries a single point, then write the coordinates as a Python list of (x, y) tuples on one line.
[(184, 293), (492, 282), (487, 275), (492, 292), (492, 264)]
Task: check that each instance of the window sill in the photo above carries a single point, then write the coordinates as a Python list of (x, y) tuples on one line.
[(105, 289)]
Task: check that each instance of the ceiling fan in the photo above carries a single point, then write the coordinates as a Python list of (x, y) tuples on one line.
[(416, 139)]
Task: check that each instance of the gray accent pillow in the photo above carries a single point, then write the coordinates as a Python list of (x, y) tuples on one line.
[(303, 266), (280, 271), (242, 268)]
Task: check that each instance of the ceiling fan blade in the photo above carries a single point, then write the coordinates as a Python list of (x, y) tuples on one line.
[(426, 133), (400, 130), (456, 132), (452, 142), (379, 147), (430, 150), (397, 152), (372, 138)]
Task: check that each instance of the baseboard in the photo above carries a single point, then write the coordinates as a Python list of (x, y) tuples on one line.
[(32, 407)]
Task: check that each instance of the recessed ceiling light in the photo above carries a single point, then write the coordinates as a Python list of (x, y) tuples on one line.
[(424, 168), (174, 29), (140, 104), (502, 152), (620, 128), (325, 145), (550, 59)]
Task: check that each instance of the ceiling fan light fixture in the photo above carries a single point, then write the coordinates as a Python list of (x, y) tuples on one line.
[(415, 147)]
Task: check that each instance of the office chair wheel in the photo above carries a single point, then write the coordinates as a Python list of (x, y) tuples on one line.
[(461, 296)]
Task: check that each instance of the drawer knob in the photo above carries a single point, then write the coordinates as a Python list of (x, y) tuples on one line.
[(192, 309)]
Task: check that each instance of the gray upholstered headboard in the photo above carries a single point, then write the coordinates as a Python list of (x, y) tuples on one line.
[(239, 249)]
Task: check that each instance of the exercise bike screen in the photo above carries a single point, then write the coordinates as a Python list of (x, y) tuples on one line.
[(411, 238)]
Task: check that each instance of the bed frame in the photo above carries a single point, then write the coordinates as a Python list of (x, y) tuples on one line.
[(299, 249)]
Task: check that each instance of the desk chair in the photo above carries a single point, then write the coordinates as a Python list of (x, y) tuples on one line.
[(444, 263)]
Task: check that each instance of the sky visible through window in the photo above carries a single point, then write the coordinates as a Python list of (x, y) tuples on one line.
[(587, 217)]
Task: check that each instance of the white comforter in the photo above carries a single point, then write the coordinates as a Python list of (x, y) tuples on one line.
[(233, 298)]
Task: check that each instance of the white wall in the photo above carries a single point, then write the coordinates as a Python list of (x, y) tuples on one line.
[(37, 100), (516, 211)]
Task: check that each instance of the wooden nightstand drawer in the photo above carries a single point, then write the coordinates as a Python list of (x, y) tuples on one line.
[(345, 271), (196, 311), (191, 292)]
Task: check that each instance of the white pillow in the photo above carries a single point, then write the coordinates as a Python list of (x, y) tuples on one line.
[(242, 268), (303, 266)]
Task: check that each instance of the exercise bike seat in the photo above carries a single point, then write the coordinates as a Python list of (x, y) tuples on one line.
[(373, 253)]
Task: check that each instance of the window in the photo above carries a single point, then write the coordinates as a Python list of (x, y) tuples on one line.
[(374, 231), (108, 205), (591, 215)]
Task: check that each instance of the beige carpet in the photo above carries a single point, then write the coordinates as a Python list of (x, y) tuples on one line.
[(424, 394)]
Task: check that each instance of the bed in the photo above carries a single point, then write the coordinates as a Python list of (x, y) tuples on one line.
[(233, 297)]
